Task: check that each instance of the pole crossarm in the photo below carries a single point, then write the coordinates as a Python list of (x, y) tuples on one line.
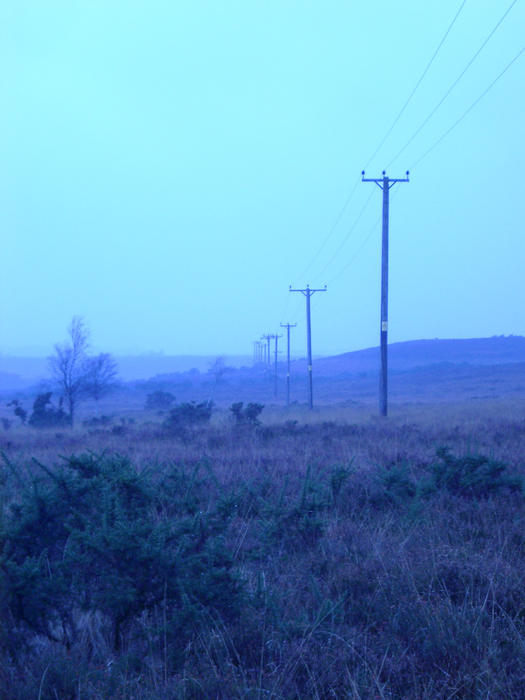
[(308, 292), (385, 181)]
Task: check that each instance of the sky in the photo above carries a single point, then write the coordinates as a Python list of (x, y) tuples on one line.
[(170, 167)]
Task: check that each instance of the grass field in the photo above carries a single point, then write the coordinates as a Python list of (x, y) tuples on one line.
[(328, 554)]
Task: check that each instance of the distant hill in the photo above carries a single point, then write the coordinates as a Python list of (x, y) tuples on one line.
[(19, 373), (421, 353)]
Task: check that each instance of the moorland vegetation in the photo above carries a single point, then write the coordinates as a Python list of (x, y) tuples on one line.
[(193, 552)]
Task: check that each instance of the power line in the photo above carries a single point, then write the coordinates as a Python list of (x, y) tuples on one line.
[(345, 239), (416, 85), (368, 236), (456, 81), (356, 254), (332, 229), (350, 196), (447, 132)]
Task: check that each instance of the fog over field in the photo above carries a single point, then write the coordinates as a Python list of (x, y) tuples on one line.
[(169, 169)]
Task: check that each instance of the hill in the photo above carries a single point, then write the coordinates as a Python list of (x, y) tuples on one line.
[(410, 354)]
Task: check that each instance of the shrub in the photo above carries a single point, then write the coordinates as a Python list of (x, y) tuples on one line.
[(471, 475), (397, 487), (88, 537), (45, 415), (189, 414), (248, 415), (18, 410)]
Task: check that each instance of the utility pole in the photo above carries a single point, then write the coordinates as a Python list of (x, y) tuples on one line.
[(257, 351), (308, 293), (288, 326), (268, 337), (275, 366), (266, 347), (385, 183)]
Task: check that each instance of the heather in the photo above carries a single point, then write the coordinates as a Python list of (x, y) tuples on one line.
[(287, 555)]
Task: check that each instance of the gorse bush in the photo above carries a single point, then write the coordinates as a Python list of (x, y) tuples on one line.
[(18, 410), (471, 475), (89, 537), (246, 415), (186, 415), (468, 476), (45, 415)]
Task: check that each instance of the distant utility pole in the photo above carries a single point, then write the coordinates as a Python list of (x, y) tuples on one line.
[(275, 366), (385, 183), (308, 293), (257, 351), (288, 326), (268, 337)]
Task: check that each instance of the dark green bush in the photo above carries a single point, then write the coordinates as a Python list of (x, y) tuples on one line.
[(189, 414), (246, 415), (471, 475), (88, 537), (18, 410), (45, 415)]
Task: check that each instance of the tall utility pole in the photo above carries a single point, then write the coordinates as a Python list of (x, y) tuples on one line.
[(308, 293), (385, 183), (275, 365), (288, 326)]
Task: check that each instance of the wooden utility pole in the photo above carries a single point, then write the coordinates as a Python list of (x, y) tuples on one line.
[(268, 337), (257, 351), (288, 326), (275, 365), (385, 183), (308, 293)]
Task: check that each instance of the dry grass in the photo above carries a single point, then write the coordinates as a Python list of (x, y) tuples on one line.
[(357, 582)]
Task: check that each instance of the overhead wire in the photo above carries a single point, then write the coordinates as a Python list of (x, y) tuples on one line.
[(349, 233), (389, 131), (371, 231), (332, 229), (468, 110), (413, 136), (453, 85), (418, 83), (425, 154)]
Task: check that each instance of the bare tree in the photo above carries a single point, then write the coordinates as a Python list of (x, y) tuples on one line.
[(68, 365), (100, 375)]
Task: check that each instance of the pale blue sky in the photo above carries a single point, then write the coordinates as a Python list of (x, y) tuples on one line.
[(169, 168)]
